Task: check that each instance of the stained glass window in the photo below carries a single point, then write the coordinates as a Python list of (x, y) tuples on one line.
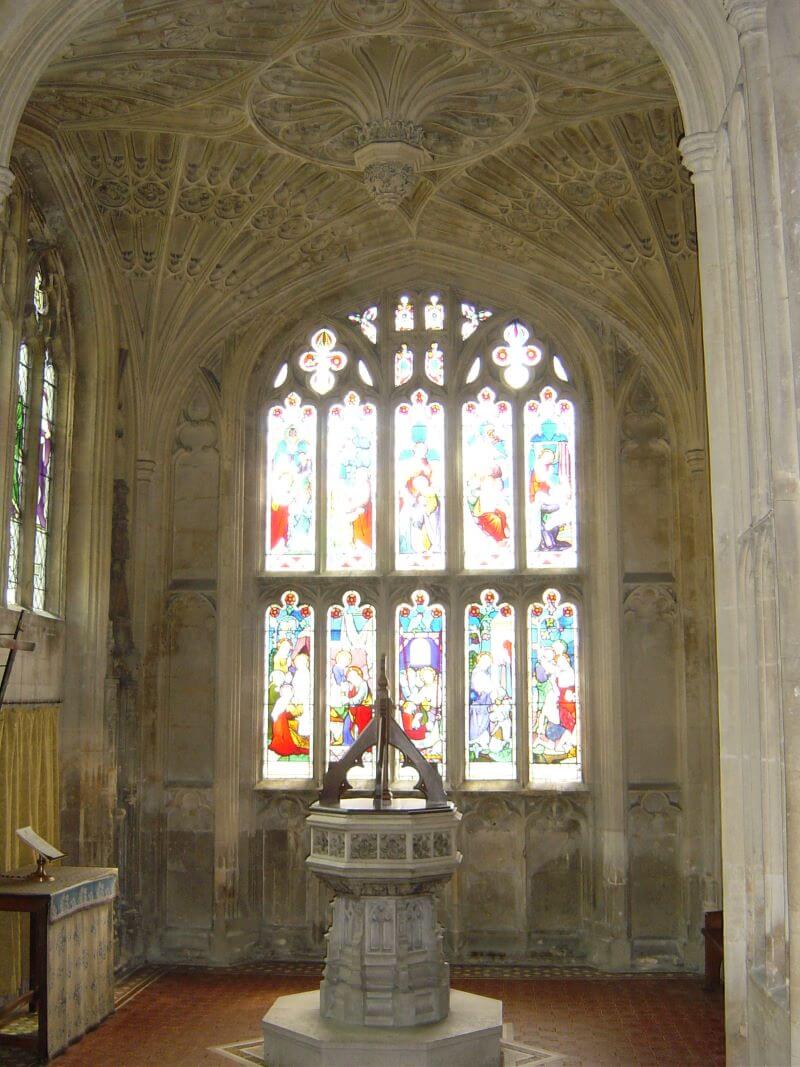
[(403, 365), (18, 473), (420, 634), (419, 484), (44, 482), (323, 361), (554, 694), (352, 468), (506, 461), (289, 689), (434, 314), (549, 427), (291, 485), (488, 483), (490, 687), (471, 319), (350, 675), (404, 315), (434, 364), (367, 320)]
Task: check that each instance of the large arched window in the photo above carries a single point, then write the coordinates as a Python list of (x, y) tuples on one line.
[(421, 501), (31, 578)]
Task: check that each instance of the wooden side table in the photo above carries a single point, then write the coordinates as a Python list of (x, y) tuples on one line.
[(65, 916)]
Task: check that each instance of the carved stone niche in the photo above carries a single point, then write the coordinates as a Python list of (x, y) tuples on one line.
[(656, 824), (555, 874)]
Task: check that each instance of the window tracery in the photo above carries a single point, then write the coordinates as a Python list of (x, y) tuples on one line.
[(489, 444)]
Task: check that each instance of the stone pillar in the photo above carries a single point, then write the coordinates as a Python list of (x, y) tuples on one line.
[(6, 181)]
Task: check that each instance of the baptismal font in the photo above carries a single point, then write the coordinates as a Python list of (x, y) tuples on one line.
[(385, 998)]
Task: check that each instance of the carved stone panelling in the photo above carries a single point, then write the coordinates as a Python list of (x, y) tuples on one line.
[(555, 869), (190, 690), (494, 911), (655, 848), (650, 648), (195, 493)]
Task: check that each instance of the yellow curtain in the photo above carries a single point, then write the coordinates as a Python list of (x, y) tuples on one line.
[(29, 796)]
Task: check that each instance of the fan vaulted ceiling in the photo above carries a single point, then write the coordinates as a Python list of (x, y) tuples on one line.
[(214, 142)]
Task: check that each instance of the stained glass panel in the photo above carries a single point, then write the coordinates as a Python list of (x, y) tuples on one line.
[(549, 427), (403, 365), (351, 484), (350, 675), (487, 479), (434, 364), (420, 634), (419, 484), (554, 698), (289, 689), (44, 483), (471, 319), (404, 315), (491, 705), (39, 295), (516, 356), (367, 322), (434, 314), (291, 485), (18, 473), (323, 361)]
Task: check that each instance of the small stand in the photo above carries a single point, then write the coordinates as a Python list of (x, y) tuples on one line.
[(40, 874)]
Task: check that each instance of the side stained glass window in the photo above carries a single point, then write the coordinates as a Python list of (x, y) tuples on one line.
[(420, 634), (44, 482), (491, 710), (18, 472), (554, 697), (419, 481), (350, 675), (289, 689), (549, 427), (488, 483), (291, 485), (352, 467)]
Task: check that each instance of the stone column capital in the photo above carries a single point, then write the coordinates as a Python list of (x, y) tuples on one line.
[(746, 16), (6, 181), (699, 151)]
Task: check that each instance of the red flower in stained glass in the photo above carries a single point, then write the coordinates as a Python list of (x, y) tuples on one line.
[(437, 613), (537, 609), (474, 611), (405, 612), (502, 407), (351, 600), (274, 611), (336, 613), (404, 409), (305, 611), (367, 612), (505, 610), (290, 599), (568, 611)]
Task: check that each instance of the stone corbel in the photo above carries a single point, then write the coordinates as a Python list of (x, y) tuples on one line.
[(746, 16), (6, 181), (699, 151)]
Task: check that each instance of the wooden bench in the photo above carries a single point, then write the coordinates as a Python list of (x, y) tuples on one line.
[(712, 934)]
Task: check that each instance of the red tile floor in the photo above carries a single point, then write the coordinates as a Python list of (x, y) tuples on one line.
[(591, 1021)]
